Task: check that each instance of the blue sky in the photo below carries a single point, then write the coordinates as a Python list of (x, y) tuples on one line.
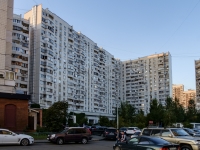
[(129, 29)]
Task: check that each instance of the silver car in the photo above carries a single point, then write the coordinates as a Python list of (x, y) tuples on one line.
[(8, 137)]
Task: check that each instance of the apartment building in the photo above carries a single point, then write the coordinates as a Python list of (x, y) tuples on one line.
[(189, 95), (197, 75), (7, 76), (68, 66), (20, 53), (178, 90), (147, 78)]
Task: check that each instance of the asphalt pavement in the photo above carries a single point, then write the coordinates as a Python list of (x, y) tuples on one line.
[(94, 138)]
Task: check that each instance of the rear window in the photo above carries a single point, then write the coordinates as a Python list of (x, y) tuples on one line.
[(146, 132), (133, 129), (158, 141)]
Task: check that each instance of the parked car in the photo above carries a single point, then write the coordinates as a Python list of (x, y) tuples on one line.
[(72, 134), (8, 137), (131, 130), (99, 131), (110, 133), (174, 135), (189, 131), (137, 133), (145, 143), (124, 129)]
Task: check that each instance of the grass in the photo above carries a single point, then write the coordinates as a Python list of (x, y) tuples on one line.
[(39, 135)]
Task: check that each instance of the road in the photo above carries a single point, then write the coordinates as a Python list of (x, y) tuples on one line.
[(92, 145)]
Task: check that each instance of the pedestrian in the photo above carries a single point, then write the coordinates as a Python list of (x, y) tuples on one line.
[(123, 137), (118, 136)]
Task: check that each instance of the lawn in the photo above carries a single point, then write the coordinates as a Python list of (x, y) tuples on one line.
[(39, 135)]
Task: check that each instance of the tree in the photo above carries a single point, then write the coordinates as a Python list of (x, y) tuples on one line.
[(140, 120), (156, 112), (55, 117), (127, 112), (104, 121), (191, 112)]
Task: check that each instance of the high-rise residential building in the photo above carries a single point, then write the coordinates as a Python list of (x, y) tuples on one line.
[(66, 65), (189, 95), (197, 75), (7, 76), (147, 78), (20, 53), (178, 90)]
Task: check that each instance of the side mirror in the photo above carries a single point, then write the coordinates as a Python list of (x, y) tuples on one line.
[(13, 134)]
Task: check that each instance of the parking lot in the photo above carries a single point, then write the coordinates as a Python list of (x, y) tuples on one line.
[(96, 145)]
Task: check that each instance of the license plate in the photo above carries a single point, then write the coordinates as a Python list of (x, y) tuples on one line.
[(172, 148), (111, 133)]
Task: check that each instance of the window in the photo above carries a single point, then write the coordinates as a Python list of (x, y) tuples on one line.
[(133, 141), (9, 76), (155, 132), (165, 133), (146, 132)]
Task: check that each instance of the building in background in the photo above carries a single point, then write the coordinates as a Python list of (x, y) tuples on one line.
[(147, 78), (189, 95), (7, 76), (197, 75), (20, 53), (178, 90), (68, 66)]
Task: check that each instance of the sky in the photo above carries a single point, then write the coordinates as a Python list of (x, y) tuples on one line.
[(129, 29)]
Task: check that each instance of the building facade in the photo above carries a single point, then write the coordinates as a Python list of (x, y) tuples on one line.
[(189, 95), (147, 78), (20, 53), (197, 75), (178, 90), (7, 76), (68, 66)]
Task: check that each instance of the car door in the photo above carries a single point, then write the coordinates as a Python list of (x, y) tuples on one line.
[(9, 137), (78, 135), (69, 135), (131, 144), (166, 135), (1, 136)]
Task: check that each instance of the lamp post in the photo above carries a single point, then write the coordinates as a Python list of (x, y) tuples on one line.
[(117, 118)]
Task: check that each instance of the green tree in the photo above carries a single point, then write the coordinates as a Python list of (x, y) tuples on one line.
[(191, 111), (104, 121), (55, 117), (156, 112), (127, 112), (140, 120)]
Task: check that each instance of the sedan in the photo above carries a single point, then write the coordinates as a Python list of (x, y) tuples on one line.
[(8, 137), (144, 143)]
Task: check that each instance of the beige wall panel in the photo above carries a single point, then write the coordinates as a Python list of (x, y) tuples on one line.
[(2, 32), (3, 5), (3, 17)]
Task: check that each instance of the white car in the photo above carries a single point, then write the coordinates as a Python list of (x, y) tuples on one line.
[(8, 137), (132, 130)]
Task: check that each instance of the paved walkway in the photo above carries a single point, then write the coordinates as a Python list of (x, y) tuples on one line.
[(94, 138)]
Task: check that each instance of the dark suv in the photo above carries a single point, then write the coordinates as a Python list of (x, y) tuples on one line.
[(110, 133), (72, 134)]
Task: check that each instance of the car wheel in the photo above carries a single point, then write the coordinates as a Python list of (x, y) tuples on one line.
[(84, 140), (186, 147), (24, 142), (59, 141), (117, 148)]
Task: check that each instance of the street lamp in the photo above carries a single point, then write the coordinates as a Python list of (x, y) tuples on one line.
[(117, 118)]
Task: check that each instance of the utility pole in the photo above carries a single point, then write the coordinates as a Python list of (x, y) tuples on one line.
[(117, 118)]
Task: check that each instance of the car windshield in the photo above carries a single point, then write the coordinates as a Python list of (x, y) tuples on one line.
[(179, 132), (190, 130), (137, 133), (64, 131), (110, 130), (133, 128)]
